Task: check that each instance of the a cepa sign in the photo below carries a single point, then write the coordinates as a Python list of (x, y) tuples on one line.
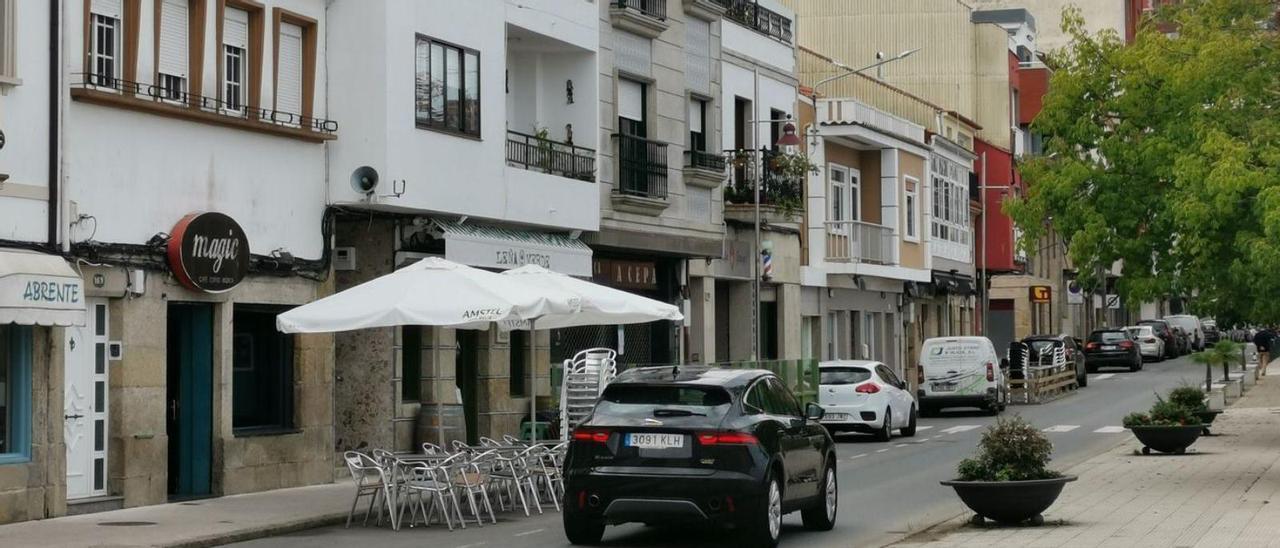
[(208, 252)]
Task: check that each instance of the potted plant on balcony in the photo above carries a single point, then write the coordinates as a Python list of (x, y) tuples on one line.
[(1167, 428), (1192, 398), (1007, 481)]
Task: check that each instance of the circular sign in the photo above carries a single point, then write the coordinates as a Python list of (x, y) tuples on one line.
[(208, 252)]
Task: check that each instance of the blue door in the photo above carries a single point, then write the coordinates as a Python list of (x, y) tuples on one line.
[(190, 399)]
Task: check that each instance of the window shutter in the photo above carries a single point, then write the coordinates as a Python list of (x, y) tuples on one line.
[(695, 116), (235, 28), (631, 100), (109, 8), (173, 38), (289, 73)]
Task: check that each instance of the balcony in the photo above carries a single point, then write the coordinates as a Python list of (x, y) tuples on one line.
[(710, 10), (703, 169), (544, 155), (781, 194), (859, 242), (149, 98), (642, 175), (648, 18), (770, 23)]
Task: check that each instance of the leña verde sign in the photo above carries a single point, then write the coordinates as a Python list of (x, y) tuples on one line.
[(208, 252)]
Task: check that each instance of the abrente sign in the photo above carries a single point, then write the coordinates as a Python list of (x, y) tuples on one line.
[(208, 252), (39, 289)]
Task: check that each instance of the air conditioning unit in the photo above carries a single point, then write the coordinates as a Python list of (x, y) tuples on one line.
[(344, 258)]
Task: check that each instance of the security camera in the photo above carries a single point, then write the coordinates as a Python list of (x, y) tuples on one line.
[(364, 180)]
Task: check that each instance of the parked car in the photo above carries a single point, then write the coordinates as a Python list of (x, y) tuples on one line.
[(960, 372), (1191, 325), (668, 445), (1211, 332), (865, 396), (1183, 340), (1044, 350), (1149, 345), (1164, 332), (1112, 347)]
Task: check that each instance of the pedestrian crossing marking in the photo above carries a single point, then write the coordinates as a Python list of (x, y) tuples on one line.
[(1059, 428), (1109, 430), (961, 428), (1103, 376)]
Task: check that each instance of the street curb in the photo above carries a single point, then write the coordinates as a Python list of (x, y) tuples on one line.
[(264, 531)]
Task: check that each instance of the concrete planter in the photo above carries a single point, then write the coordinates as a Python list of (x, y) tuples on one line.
[(1010, 502), (1167, 439)]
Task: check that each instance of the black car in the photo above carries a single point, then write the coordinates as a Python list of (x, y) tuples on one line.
[(671, 446), (1162, 330), (1112, 347), (1043, 351)]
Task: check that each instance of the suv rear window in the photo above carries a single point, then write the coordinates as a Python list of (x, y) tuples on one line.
[(638, 400), (843, 375), (1155, 326), (1108, 336)]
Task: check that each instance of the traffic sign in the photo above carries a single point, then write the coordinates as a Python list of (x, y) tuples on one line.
[(1113, 302), (1075, 293), (1041, 294)]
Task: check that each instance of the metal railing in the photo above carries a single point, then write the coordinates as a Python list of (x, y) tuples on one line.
[(544, 155), (653, 8), (776, 187), (212, 105), (702, 159), (763, 20), (859, 242), (642, 167)]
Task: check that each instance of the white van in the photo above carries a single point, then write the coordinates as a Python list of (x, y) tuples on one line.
[(961, 372), (1192, 326)]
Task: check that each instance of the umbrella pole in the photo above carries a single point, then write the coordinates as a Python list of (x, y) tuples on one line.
[(435, 386), (533, 383)]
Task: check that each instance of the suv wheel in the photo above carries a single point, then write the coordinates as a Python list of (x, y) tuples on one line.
[(581, 529), (886, 431), (1083, 381), (821, 516), (910, 429), (763, 529)]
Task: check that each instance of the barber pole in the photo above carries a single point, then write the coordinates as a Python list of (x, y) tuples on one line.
[(766, 264)]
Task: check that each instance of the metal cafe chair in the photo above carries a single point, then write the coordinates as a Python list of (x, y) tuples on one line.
[(471, 477), (372, 481), (423, 481)]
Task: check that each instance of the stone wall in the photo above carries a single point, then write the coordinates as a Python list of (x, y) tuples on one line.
[(365, 394)]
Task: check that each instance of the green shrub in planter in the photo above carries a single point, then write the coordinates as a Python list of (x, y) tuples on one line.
[(1010, 450), (1163, 413), (1190, 397)]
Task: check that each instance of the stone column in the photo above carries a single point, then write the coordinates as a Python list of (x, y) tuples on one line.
[(789, 343), (702, 319)]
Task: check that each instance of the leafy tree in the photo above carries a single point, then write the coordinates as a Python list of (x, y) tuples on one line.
[(1165, 154)]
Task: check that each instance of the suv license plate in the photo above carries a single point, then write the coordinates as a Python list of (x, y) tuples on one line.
[(942, 386), (835, 417), (1108, 347), (655, 441)]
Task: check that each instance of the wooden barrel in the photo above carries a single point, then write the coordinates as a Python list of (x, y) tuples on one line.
[(431, 416)]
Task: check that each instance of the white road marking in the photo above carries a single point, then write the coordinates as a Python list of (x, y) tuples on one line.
[(1109, 430), (899, 445), (473, 545), (922, 440), (533, 532), (1103, 377), (881, 450), (1059, 428), (856, 457), (922, 428), (961, 428)]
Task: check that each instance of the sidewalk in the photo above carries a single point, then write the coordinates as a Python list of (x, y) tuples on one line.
[(1224, 492), (206, 522)]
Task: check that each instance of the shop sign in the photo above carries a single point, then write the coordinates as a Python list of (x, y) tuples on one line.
[(1041, 294), (626, 274), (208, 252)]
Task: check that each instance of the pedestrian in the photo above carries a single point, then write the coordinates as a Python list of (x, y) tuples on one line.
[(1264, 339)]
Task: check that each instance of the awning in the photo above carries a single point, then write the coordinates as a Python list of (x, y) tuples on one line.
[(39, 289), (488, 246), (953, 284)]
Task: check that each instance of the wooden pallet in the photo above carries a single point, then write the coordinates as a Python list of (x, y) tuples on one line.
[(1042, 389)]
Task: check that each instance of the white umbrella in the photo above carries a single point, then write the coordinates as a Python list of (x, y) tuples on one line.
[(433, 292), (600, 305)]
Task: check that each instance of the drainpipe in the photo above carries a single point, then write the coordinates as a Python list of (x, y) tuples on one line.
[(55, 89)]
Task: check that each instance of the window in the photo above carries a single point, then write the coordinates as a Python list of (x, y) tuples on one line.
[(171, 64), (411, 362), (631, 103), (756, 400), (447, 87), (8, 43), (781, 401), (289, 71), (844, 194), (843, 375), (697, 124), (518, 361), (15, 393), (262, 376), (235, 47), (104, 52), (911, 201), (950, 201)]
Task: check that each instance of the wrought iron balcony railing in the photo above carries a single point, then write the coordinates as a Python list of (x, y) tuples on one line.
[(540, 154), (763, 20), (642, 167), (656, 9)]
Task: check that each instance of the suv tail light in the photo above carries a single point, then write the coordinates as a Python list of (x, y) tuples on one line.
[(593, 435), (991, 371), (726, 438), (867, 388), (1126, 344), (1091, 346)]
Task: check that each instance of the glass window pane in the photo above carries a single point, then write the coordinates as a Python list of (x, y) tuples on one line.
[(99, 474), (422, 81), (437, 83), (452, 88), (99, 435), (99, 358), (471, 86), (411, 363), (262, 370), (100, 320), (99, 397)]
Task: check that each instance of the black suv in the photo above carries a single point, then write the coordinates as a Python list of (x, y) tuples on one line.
[(1112, 347), (669, 445)]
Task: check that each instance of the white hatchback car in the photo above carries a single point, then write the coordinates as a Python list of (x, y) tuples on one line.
[(865, 396), (1148, 343)]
